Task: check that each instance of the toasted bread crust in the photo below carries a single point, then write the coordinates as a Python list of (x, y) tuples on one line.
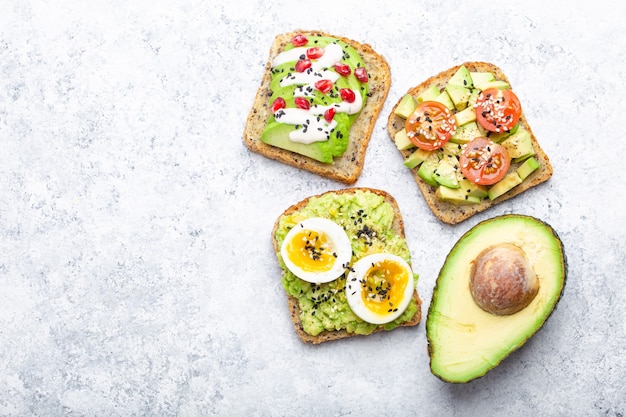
[(348, 167), (448, 212), (294, 309)]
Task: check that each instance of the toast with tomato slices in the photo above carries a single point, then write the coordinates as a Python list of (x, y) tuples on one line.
[(456, 212), (347, 167)]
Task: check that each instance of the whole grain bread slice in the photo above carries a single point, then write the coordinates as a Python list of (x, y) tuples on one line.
[(348, 167), (449, 212), (294, 308)]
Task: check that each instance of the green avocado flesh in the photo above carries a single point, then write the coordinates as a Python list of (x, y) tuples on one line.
[(464, 341), (367, 219), (339, 136)]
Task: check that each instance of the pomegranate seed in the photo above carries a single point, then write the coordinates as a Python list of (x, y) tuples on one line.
[(347, 95), (299, 40), (278, 104), (303, 64), (361, 74), (342, 69), (302, 103), (329, 114), (324, 85), (315, 52)]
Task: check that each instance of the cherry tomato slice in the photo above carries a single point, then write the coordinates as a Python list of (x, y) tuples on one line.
[(498, 110), (484, 162), (430, 125)]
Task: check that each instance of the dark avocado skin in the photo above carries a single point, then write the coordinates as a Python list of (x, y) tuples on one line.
[(435, 290)]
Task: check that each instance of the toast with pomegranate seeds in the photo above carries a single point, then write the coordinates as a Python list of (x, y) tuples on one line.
[(341, 160), (373, 222), (529, 164)]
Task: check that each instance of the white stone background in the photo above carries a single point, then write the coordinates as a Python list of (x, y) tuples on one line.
[(137, 276)]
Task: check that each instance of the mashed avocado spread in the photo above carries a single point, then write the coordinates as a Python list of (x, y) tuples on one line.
[(367, 219)]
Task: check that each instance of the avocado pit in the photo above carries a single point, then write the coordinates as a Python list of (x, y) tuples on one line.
[(502, 280)]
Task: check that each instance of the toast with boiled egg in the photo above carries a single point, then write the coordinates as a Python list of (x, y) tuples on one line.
[(346, 266), (318, 101), (465, 138)]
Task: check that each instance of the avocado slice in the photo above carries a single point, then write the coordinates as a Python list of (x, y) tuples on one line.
[(509, 181), (446, 172), (465, 341), (455, 196), (519, 145), (528, 167), (459, 95), (466, 133), (461, 77), (465, 116), (427, 169), (402, 141), (431, 93), (405, 107), (277, 134), (417, 157)]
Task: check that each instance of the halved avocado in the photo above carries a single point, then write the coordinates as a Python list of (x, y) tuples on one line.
[(465, 341)]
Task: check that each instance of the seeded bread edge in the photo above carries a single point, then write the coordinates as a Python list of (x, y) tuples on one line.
[(448, 212), (292, 302), (348, 167)]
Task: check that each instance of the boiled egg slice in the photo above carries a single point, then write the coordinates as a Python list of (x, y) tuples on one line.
[(379, 287), (317, 250)]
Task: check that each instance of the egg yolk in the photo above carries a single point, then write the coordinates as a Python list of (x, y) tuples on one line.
[(383, 287), (311, 251)]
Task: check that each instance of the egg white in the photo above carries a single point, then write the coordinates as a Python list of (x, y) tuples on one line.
[(354, 289), (339, 242)]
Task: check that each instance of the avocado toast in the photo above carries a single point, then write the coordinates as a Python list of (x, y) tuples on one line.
[(317, 104), (438, 168), (373, 224)]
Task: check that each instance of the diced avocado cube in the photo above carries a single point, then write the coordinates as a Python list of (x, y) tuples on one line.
[(445, 173), (471, 101), (444, 98), (472, 189), (519, 145), (527, 168), (499, 84), (429, 94), (479, 78), (505, 184), (461, 78), (455, 196), (427, 169), (402, 140), (416, 158), (451, 148), (466, 133), (465, 116), (459, 95), (405, 106)]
